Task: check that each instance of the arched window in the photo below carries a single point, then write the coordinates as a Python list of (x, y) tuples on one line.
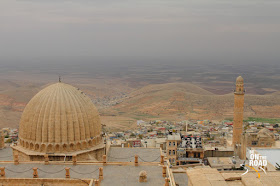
[(64, 147), (37, 147), (78, 146), (43, 147), (71, 146), (90, 143), (84, 144), (50, 148), (57, 148)]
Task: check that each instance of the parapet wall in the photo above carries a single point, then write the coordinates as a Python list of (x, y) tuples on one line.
[(43, 181)]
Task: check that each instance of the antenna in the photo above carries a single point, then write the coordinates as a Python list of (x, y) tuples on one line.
[(59, 79)]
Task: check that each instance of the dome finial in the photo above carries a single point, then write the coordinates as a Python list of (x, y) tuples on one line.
[(239, 79)]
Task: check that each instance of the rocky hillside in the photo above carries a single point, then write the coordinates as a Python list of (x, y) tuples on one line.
[(187, 101), (122, 106)]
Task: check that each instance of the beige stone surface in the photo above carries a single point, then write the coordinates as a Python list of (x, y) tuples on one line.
[(251, 181), (234, 183), (229, 175), (60, 118), (216, 177), (218, 183), (268, 181), (206, 176)]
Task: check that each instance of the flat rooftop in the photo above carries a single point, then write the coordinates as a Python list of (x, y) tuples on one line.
[(180, 178), (6, 154), (118, 154), (223, 162), (174, 136), (116, 174), (113, 174), (207, 176), (208, 147), (273, 155)]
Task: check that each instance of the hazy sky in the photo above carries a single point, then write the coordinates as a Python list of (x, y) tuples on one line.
[(206, 30)]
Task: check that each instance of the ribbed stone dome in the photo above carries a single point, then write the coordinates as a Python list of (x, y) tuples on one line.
[(59, 118)]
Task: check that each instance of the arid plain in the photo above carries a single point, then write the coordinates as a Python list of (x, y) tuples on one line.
[(124, 93)]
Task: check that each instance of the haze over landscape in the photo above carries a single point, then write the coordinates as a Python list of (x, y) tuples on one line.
[(171, 60)]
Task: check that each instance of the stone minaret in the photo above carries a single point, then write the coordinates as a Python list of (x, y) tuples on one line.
[(238, 111)]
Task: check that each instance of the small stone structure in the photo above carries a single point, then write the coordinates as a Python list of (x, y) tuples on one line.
[(143, 176), (2, 173), (161, 159), (2, 143), (104, 159), (74, 159), (35, 172), (166, 182), (67, 172), (164, 171), (46, 159), (96, 182), (16, 162), (101, 173), (136, 160)]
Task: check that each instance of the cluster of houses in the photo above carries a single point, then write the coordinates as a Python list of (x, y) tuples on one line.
[(10, 135), (185, 142), (188, 142)]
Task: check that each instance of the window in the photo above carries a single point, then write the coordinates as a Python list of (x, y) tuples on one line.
[(173, 143), (254, 142), (267, 144), (173, 152), (169, 144), (169, 152)]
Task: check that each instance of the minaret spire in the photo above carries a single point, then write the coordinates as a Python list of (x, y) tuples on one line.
[(238, 111)]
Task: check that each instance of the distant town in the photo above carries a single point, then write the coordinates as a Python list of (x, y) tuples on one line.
[(199, 137)]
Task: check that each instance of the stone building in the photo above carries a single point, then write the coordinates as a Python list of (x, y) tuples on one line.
[(190, 150), (60, 121), (184, 149), (171, 147), (264, 138)]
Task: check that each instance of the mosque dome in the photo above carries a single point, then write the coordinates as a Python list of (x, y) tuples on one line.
[(60, 118), (239, 79)]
